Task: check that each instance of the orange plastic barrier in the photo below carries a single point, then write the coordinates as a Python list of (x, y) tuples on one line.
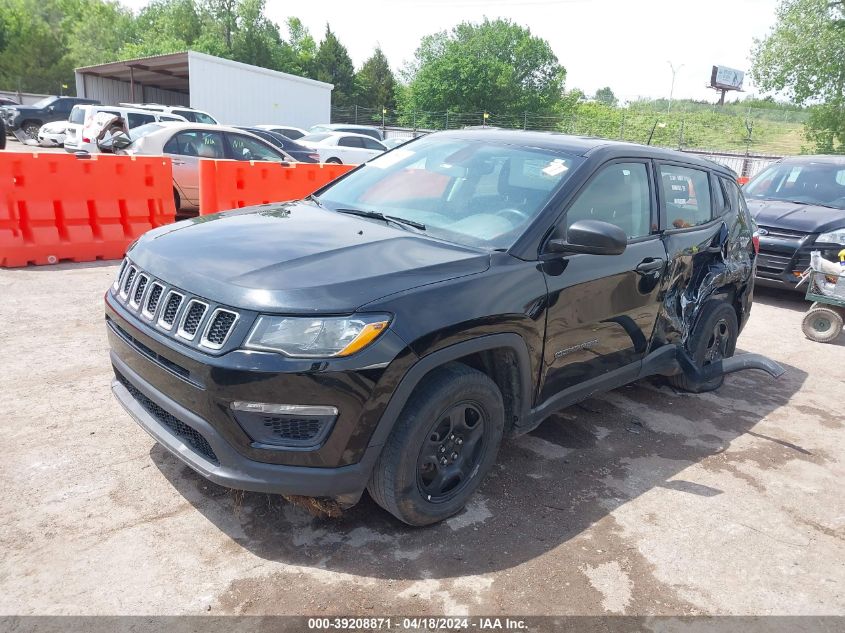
[(232, 184), (59, 207)]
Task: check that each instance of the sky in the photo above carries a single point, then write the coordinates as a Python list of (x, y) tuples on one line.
[(625, 44)]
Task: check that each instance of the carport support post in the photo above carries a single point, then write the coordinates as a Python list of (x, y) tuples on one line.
[(132, 84)]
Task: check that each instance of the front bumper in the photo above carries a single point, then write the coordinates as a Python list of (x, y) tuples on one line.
[(224, 465), (781, 261), (182, 397)]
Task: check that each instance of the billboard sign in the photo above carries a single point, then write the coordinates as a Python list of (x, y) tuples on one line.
[(726, 78)]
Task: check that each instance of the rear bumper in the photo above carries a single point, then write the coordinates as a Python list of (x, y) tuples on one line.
[(227, 467)]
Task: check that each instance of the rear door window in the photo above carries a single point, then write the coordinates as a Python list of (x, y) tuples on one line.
[(136, 120), (77, 115), (190, 116), (370, 143), (248, 148), (686, 196), (350, 141)]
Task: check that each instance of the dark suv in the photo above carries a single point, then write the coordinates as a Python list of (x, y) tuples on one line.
[(387, 332), (27, 120)]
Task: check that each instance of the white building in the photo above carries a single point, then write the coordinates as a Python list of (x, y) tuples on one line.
[(232, 92)]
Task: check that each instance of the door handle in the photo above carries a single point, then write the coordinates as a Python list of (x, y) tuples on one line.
[(650, 265)]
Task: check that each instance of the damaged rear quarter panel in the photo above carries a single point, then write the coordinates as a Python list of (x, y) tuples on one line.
[(716, 259)]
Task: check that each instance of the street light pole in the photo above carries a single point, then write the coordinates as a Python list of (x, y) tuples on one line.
[(672, 88)]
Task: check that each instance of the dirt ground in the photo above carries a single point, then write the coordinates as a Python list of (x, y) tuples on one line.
[(644, 501)]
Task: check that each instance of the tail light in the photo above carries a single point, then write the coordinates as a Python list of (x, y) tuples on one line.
[(85, 139)]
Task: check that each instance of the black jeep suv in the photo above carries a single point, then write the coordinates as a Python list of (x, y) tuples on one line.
[(388, 331)]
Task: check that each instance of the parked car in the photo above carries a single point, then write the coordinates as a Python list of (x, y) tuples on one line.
[(388, 331), (799, 206), (5, 101), (27, 120), (86, 123), (189, 114), (368, 130), (52, 134), (341, 147), (293, 133), (185, 144), (298, 151)]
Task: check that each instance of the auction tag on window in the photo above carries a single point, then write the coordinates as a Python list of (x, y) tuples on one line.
[(555, 168)]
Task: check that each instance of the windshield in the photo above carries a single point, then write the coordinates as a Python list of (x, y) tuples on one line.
[(143, 130), (43, 103), (807, 183), (201, 117), (475, 193)]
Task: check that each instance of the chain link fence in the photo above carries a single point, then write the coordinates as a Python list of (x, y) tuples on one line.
[(707, 128)]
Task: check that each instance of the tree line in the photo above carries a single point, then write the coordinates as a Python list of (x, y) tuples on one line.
[(494, 66), (42, 41)]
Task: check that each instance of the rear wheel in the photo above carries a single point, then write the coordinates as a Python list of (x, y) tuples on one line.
[(822, 325), (713, 338), (176, 200), (334, 161), (444, 443)]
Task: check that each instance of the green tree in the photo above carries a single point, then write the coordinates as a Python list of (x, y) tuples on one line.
[(804, 57), (256, 40), (332, 64), (165, 26), (96, 31), (33, 54), (300, 49), (495, 66), (605, 95), (375, 84)]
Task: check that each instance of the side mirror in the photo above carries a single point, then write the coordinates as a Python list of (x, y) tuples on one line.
[(51, 108), (590, 236)]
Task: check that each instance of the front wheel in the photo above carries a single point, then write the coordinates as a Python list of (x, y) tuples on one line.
[(444, 443), (334, 161), (31, 128)]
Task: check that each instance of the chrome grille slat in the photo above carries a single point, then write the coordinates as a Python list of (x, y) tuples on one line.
[(219, 327), (186, 317), (191, 319), (138, 290), (171, 308), (153, 297), (127, 282)]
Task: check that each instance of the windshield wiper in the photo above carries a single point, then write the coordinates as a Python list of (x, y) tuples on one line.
[(375, 215), (806, 203)]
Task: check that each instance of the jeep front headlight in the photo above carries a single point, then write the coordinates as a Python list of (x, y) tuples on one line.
[(316, 337)]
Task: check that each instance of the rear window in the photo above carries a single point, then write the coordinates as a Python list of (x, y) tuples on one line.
[(137, 120), (77, 115)]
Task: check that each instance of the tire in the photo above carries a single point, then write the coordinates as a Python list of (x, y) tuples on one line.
[(455, 417), (713, 338), (334, 161), (2, 134), (30, 128), (176, 200), (822, 325)]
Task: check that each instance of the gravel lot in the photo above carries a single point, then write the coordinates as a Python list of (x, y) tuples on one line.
[(644, 501)]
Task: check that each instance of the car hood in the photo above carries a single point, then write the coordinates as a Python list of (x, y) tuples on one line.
[(298, 258), (797, 217)]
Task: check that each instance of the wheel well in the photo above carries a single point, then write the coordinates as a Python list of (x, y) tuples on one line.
[(502, 366)]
